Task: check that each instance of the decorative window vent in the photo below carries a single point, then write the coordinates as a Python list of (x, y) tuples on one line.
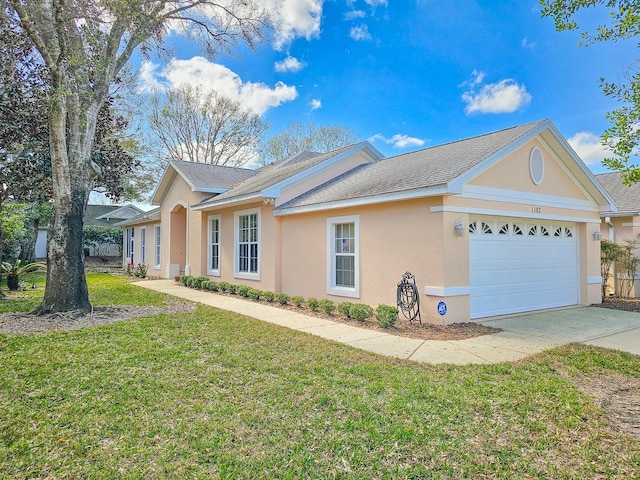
[(558, 232), (486, 228), (544, 231), (533, 231), (472, 227), (567, 232), (504, 229), (536, 165), (517, 230)]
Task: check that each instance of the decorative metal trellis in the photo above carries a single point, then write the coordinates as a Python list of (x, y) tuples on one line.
[(408, 298)]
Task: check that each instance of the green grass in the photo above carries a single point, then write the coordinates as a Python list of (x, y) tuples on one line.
[(218, 395)]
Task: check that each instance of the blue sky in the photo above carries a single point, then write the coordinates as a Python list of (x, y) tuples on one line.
[(412, 74)]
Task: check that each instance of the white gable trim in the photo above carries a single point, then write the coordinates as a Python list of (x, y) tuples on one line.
[(508, 213), (366, 148), (356, 202), (523, 198)]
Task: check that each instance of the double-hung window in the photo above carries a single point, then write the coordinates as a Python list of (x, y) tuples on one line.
[(156, 249), (213, 250), (343, 263), (130, 244), (247, 244)]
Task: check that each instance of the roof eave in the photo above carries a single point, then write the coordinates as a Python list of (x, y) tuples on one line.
[(241, 200)]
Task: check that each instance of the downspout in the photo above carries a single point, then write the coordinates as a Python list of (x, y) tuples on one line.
[(612, 239)]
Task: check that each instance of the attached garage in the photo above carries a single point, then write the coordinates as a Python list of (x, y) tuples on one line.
[(518, 265)]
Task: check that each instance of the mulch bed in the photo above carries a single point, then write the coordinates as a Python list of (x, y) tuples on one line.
[(626, 304)]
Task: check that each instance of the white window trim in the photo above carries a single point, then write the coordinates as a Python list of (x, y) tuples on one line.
[(332, 288), (210, 271), (157, 247), (143, 245), (236, 243)]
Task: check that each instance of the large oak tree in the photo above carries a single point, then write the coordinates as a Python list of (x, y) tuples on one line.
[(84, 45)]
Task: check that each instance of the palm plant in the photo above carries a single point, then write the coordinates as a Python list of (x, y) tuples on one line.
[(19, 267)]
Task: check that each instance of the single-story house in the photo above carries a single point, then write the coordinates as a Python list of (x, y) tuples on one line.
[(96, 215), (491, 225), (621, 225)]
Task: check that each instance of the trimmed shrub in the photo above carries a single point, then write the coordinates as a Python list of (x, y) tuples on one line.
[(213, 286), (184, 279), (312, 303), (283, 298), (243, 290), (232, 289), (197, 282), (297, 300), (191, 281), (255, 294), (268, 296), (386, 315), (327, 306), (360, 311), (205, 285), (223, 286), (344, 309)]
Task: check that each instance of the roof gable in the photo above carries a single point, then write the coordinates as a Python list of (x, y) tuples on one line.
[(440, 170), (200, 177)]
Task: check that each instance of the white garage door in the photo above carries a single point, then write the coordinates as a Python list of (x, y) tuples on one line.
[(519, 265)]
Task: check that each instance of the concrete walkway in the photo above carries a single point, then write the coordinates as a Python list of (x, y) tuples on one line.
[(522, 335)]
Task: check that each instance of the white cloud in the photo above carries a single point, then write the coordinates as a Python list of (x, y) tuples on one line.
[(399, 140), (376, 3), (526, 44), (289, 64), (589, 147), (478, 78), (147, 80), (199, 71), (505, 96), (360, 32), (315, 104), (294, 19), (353, 14)]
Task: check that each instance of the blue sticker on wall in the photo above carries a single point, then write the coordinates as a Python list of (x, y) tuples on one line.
[(442, 308)]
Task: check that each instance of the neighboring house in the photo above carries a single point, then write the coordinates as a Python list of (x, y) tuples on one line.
[(96, 215), (496, 224), (622, 225)]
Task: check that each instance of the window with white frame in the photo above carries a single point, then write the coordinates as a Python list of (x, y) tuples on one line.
[(156, 247), (143, 245), (130, 244), (247, 244), (344, 256), (213, 253)]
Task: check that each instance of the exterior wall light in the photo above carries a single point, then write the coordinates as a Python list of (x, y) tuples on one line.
[(459, 228), (269, 201), (597, 236)]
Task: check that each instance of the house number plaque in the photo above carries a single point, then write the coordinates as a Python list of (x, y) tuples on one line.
[(535, 209)]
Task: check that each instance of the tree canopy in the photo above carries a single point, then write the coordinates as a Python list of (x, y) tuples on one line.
[(298, 137), (84, 45), (623, 23)]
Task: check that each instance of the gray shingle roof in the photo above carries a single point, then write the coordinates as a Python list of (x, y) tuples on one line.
[(425, 168), (273, 174), (204, 176), (626, 197)]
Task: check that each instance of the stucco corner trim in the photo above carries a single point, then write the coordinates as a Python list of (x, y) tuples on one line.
[(594, 280), (447, 291)]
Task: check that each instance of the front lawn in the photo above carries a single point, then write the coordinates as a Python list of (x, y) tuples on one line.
[(211, 394)]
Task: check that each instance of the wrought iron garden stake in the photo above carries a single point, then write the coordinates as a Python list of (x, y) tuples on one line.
[(408, 298)]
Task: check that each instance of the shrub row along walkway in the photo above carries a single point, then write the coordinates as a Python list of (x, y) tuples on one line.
[(523, 335)]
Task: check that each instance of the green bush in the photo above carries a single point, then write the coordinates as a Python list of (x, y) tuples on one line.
[(361, 311), (386, 315), (197, 282), (312, 303), (255, 294), (243, 290), (283, 298), (232, 289), (327, 306), (205, 285), (191, 282), (344, 309), (268, 296), (223, 286), (297, 300), (184, 279), (213, 286)]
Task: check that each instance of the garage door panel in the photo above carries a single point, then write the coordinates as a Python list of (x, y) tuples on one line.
[(512, 273)]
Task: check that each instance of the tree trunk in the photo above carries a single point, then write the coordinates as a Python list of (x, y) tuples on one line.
[(1, 246), (66, 288), (28, 245)]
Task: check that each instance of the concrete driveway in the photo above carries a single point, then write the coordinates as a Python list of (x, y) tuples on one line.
[(601, 327)]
